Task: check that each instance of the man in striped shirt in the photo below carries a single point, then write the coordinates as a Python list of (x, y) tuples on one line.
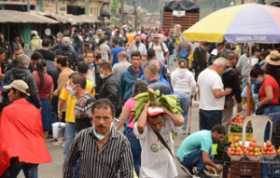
[(102, 151)]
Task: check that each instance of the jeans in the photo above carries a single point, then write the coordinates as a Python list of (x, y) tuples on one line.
[(185, 101), (29, 170), (194, 159), (48, 116), (135, 148), (69, 135), (208, 119), (271, 109)]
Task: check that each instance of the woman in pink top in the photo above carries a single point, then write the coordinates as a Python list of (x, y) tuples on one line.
[(45, 87), (127, 116)]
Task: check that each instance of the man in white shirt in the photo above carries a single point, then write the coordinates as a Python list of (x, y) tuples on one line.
[(137, 45), (160, 48), (156, 161), (105, 50), (212, 94)]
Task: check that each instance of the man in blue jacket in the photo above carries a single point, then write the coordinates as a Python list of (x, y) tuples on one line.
[(129, 77)]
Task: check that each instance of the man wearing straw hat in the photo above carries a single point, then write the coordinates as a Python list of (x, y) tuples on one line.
[(22, 145)]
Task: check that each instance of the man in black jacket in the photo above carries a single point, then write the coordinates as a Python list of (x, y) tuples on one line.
[(200, 59), (109, 87), (20, 71), (231, 79)]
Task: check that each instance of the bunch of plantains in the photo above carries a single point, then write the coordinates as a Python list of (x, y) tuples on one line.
[(170, 102)]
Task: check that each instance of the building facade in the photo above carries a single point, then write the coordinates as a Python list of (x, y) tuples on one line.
[(75, 7)]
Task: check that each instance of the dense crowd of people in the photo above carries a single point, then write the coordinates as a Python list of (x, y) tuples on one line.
[(89, 80)]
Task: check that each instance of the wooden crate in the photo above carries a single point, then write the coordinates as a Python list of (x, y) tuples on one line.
[(245, 169)]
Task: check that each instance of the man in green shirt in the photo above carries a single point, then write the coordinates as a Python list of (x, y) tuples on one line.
[(194, 151)]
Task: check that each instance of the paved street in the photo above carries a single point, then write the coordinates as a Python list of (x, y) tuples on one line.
[(54, 169)]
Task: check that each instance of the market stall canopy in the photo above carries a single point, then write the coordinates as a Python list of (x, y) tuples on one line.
[(60, 18), (11, 16), (183, 5), (238, 24), (72, 19), (83, 19)]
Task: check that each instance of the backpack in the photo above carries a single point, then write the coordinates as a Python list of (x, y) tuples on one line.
[(183, 53)]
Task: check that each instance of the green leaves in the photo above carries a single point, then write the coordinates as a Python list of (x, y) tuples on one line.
[(170, 102)]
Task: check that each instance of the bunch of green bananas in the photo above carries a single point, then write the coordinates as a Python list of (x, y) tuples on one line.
[(170, 102)]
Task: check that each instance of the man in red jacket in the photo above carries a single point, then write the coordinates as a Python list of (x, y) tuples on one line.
[(22, 145)]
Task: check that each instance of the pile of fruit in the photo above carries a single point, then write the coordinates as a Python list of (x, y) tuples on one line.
[(236, 123), (236, 149), (253, 150), (269, 150), (170, 102)]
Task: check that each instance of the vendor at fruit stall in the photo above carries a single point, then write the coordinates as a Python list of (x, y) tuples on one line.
[(194, 151)]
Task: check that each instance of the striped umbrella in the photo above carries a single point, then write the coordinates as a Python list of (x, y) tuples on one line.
[(238, 24)]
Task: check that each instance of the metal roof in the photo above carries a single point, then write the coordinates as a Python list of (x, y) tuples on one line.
[(11, 16), (72, 19)]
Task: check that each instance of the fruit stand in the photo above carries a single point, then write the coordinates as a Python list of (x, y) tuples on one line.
[(235, 129), (251, 160)]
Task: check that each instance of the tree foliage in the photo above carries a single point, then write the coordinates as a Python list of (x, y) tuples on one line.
[(114, 6)]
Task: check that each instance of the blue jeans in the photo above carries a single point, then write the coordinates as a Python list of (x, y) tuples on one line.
[(135, 148), (29, 170), (271, 109), (208, 119), (48, 116), (185, 101), (194, 159), (69, 135)]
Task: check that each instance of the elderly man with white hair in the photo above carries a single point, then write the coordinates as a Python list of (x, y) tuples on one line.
[(212, 94)]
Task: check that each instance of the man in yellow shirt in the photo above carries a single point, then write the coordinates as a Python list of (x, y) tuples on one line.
[(67, 98)]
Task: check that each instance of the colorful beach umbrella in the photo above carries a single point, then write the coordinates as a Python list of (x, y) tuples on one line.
[(238, 24)]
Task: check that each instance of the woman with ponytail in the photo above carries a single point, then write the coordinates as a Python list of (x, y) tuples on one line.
[(45, 86)]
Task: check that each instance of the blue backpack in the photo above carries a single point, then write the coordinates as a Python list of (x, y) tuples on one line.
[(184, 53)]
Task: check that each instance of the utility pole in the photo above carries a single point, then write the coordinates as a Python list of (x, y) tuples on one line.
[(122, 11), (135, 14), (87, 7)]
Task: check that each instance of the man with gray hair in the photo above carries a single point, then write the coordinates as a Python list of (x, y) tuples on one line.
[(122, 65), (212, 94), (20, 71)]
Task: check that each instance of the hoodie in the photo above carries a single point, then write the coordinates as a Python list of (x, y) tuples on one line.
[(25, 75)]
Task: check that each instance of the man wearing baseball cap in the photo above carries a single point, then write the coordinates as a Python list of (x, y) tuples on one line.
[(22, 145)]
